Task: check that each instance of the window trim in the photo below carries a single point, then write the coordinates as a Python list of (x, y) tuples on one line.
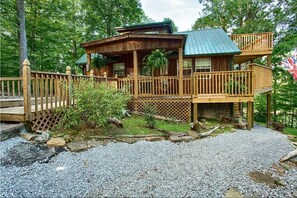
[(114, 70)]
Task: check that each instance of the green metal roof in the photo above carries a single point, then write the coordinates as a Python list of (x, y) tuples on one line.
[(208, 42), (83, 60)]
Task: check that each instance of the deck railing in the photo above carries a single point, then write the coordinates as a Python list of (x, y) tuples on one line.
[(262, 78), (255, 42), (223, 83), (11, 86), (158, 86)]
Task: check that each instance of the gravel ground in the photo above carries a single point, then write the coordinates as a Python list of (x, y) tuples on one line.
[(202, 168)]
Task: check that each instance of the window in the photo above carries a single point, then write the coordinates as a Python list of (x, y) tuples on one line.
[(119, 69), (187, 67), (202, 64)]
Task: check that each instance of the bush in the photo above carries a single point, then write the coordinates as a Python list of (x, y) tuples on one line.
[(150, 111), (94, 104)]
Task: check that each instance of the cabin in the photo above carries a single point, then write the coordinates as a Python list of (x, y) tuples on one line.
[(209, 73)]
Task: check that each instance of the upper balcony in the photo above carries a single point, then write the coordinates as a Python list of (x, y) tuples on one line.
[(252, 45)]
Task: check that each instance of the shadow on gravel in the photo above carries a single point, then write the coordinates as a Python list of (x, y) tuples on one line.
[(25, 154)]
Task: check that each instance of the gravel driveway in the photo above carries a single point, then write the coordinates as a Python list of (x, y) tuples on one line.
[(202, 168)]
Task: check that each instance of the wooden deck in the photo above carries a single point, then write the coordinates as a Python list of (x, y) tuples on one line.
[(17, 114), (43, 91), (252, 46)]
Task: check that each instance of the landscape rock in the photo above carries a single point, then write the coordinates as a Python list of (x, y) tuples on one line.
[(78, 146), (43, 138), (68, 138), (193, 134), (56, 142), (233, 193), (95, 143), (128, 140), (29, 136), (241, 125), (153, 139), (176, 138), (41, 131)]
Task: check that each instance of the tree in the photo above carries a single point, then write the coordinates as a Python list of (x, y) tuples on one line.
[(23, 51), (174, 27), (237, 16), (111, 14), (9, 60)]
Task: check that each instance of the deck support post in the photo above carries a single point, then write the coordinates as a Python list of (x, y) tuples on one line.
[(195, 113), (268, 108), (135, 67), (89, 62), (68, 92), (249, 115), (27, 89), (269, 60), (180, 69)]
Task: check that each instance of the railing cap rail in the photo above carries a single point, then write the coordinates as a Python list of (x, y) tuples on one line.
[(219, 72), (49, 73), (258, 65)]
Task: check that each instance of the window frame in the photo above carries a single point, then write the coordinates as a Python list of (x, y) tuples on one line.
[(114, 71), (188, 60)]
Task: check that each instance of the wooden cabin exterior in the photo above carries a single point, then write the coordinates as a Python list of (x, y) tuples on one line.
[(200, 79)]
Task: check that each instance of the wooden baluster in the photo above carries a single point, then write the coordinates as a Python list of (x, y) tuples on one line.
[(19, 88), (68, 86), (46, 92), (56, 90), (2, 88), (51, 91), (13, 91), (8, 87), (36, 92), (41, 92)]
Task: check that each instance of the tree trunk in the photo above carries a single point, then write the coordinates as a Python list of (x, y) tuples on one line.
[(23, 51)]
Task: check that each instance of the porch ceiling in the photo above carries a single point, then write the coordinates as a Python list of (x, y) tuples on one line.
[(130, 42)]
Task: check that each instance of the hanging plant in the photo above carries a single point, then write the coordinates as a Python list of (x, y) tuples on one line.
[(99, 61), (157, 59)]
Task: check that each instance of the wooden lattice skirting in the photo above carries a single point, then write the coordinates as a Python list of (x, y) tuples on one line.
[(170, 108), (46, 120)]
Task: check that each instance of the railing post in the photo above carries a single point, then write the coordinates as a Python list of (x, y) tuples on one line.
[(27, 89), (92, 75), (180, 63), (68, 92)]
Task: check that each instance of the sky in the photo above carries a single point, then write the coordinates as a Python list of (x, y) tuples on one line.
[(183, 12)]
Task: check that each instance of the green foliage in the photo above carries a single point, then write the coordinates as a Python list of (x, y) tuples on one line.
[(150, 111), (235, 86), (174, 27), (95, 103), (260, 108), (102, 16), (56, 28), (99, 61), (156, 59), (243, 16)]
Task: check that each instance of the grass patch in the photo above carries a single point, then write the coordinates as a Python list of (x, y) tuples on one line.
[(136, 125), (290, 131)]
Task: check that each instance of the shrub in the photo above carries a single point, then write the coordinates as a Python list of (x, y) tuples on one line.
[(94, 104), (150, 111)]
